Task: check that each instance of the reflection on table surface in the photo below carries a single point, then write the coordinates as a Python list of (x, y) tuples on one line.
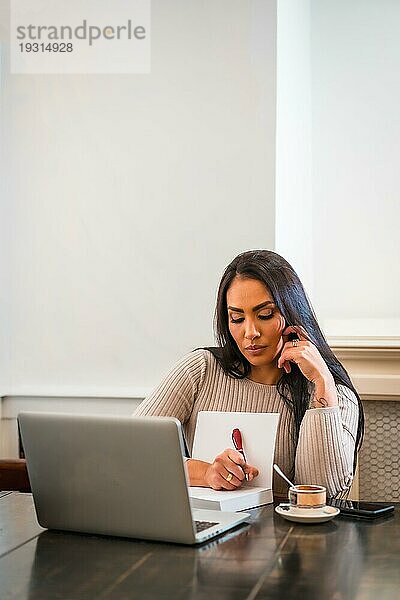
[(267, 558)]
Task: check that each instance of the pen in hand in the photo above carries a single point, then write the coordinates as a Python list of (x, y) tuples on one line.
[(238, 443)]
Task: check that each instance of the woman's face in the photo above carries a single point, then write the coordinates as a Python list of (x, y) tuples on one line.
[(255, 322)]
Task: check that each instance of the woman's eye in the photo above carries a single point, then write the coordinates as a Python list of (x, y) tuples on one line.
[(238, 320), (266, 317)]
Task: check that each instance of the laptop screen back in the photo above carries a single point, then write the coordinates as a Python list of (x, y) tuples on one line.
[(120, 476)]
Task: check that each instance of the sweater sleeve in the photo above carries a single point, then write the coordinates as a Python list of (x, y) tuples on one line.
[(325, 448), (175, 395)]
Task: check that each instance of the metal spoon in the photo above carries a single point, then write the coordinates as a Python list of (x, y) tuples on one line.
[(277, 469)]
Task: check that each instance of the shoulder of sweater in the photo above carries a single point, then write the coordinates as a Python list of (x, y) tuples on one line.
[(202, 356), (195, 364), (203, 360), (198, 356)]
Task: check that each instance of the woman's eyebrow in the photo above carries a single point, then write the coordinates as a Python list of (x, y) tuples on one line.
[(262, 305)]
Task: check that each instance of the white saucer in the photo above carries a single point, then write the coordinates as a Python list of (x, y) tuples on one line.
[(307, 515)]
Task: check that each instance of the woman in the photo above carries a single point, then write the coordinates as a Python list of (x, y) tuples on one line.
[(271, 357)]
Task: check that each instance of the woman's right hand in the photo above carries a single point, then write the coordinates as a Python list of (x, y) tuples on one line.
[(228, 471)]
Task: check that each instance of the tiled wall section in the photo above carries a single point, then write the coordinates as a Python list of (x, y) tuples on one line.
[(380, 452)]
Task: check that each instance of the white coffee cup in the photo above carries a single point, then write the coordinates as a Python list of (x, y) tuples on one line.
[(307, 496)]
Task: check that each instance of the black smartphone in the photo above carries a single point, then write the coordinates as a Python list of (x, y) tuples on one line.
[(361, 510)]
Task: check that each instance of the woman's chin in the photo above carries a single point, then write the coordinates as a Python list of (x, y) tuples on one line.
[(259, 360), (266, 358)]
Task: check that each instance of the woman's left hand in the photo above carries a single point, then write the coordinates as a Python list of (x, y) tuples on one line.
[(310, 362)]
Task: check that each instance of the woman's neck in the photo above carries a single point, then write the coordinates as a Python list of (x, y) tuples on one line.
[(268, 375)]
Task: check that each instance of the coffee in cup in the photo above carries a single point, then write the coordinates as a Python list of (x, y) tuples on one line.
[(307, 496)]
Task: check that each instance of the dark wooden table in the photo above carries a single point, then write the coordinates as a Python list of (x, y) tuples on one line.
[(269, 558)]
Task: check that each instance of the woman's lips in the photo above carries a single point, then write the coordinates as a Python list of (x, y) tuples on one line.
[(255, 349)]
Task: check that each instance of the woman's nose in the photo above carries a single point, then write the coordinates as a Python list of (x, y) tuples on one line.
[(251, 331)]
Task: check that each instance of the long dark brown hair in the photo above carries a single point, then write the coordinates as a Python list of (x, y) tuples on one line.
[(288, 293)]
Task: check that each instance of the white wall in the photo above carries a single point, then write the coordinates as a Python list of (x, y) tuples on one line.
[(356, 176), (294, 218), (123, 198)]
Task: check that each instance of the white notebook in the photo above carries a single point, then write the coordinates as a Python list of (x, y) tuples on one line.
[(214, 434), (229, 501)]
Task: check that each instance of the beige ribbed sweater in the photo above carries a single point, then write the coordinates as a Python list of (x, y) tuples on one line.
[(324, 451)]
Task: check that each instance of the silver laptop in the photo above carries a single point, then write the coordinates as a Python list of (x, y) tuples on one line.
[(122, 476)]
